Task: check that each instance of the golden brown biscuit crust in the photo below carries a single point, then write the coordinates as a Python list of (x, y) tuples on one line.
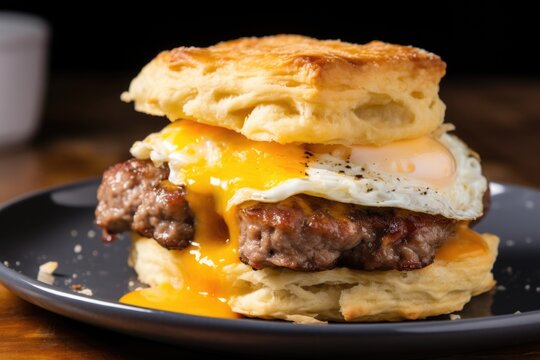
[(339, 294), (294, 54), (290, 88)]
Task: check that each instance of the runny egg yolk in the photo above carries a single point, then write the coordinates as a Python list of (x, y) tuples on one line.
[(423, 159), (211, 181), (230, 162)]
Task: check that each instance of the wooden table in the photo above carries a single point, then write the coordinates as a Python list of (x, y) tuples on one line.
[(87, 128)]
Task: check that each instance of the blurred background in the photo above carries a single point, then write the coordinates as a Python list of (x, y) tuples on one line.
[(492, 87)]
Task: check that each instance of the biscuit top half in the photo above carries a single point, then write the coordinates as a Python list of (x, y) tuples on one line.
[(296, 89)]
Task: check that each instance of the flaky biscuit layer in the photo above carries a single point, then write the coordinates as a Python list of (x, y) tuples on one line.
[(290, 88)]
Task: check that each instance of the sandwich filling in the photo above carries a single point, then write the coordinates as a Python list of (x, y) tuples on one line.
[(218, 198)]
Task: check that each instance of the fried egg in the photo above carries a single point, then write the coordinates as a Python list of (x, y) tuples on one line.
[(435, 174), (221, 169)]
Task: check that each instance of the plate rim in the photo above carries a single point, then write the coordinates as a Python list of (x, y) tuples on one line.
[(20, 283)]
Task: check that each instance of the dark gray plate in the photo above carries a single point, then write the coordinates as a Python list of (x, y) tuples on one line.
[(49, 225)]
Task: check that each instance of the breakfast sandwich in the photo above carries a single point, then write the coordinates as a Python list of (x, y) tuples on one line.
[(299, 179)]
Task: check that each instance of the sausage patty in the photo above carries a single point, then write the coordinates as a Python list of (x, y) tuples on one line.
[(136, 195), (302, 232), (310, 234)]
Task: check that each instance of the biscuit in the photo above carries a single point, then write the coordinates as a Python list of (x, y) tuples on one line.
[(340, 294), (290, 88)]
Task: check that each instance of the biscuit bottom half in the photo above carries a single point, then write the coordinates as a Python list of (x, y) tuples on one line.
[(341, 294)]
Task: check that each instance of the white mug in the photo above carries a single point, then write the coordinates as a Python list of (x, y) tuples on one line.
[(23, 61)]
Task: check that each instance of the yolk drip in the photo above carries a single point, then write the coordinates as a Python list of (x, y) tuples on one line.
[(465, 243), (227, 162), (211, 181), (184, 300), (224, 162)]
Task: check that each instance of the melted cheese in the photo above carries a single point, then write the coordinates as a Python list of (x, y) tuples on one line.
[(219, 162), (465, 243), (214, 164), (182, 300), (206, 291), (205, 288), (211, 181)]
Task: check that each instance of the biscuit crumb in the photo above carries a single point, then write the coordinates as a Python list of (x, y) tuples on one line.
[(79, 289), (303, 319), (455, 317), (45, 273), (49, 267), (87, 292)]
